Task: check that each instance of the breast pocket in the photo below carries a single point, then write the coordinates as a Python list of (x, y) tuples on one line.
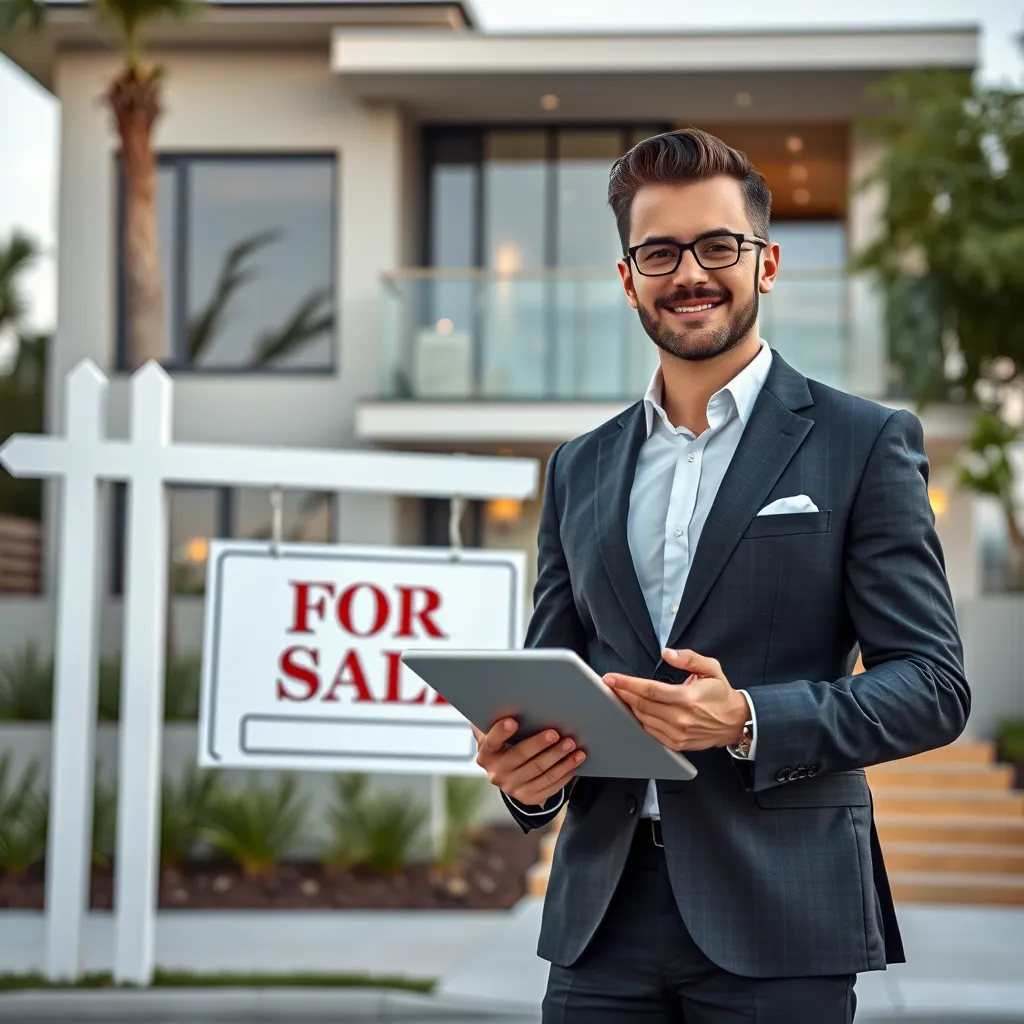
[(789, 524)]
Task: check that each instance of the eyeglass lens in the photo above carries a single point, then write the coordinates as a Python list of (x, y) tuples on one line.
[(712, 252)]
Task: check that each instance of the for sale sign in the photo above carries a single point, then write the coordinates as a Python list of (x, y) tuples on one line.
[(302, 653)]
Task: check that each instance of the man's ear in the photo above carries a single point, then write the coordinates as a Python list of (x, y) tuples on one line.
[(769, 268), (627, 282)]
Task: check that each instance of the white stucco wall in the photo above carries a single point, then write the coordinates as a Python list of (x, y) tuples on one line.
[(239, 103)]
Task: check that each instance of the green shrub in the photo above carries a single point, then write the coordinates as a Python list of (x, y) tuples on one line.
[(108, 698), (26, 686), (104, 823), (1010, 739), (181, 688), (464, 799), (23, 818), (380, 831), (258, 826), (185, 810)]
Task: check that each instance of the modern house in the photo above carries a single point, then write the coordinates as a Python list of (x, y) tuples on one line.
[(382, 227)]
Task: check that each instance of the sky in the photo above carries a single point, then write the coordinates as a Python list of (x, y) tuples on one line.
[(29, 116)]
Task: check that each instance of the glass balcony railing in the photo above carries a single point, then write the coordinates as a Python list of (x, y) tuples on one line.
[(569, 335)]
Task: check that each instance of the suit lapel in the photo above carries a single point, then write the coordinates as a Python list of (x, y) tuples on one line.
[(770, 439), (616, 467)]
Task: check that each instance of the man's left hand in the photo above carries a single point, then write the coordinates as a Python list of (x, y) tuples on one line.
[(701, 712)]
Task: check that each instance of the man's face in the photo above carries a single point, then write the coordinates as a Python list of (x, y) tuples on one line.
[(672, 308)]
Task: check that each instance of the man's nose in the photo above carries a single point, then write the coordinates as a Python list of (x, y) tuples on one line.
[(689, 273)]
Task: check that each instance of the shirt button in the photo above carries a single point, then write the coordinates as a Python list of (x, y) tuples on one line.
[(675, 608), (690, 457), (678, 531)]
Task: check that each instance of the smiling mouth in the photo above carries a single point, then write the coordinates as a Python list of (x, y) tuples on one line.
[(691, 308)]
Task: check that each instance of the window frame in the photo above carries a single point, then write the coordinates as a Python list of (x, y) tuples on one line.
[(179, 160)]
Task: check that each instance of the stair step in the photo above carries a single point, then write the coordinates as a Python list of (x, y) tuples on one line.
[(954, 858), (537, 879), (966, 802), (547, 847), (928, 828), (956, 776), (960, 752), (941, 887)]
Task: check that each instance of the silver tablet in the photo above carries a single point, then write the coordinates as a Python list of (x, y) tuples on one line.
[(550, 688)]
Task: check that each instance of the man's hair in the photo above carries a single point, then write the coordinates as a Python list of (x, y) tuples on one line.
[(676, 158)]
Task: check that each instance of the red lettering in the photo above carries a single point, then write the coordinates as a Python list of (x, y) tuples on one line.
[(383, 609), (394, 659), (350, 673), (432, 602), (300, 623), (306, 677)]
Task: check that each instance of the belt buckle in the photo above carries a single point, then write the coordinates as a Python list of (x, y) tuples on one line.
[(655, 829)]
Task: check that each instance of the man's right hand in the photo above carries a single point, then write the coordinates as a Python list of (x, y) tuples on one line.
[(532, 770)]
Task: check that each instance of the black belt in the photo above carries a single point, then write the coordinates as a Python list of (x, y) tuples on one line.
[(648, 833)]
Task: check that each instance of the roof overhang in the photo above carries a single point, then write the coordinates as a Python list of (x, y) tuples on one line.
[(233, 25), (808, 74)]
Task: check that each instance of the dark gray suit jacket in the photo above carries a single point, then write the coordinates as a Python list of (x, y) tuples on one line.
[(775, 863)]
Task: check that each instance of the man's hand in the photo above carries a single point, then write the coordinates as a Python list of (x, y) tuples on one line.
[(704, 711), (530, 771)]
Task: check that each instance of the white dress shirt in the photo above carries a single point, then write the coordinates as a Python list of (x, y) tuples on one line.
[(675, 484), (676, 481)]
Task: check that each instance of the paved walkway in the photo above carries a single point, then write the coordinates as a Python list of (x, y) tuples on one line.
[(965, 965)]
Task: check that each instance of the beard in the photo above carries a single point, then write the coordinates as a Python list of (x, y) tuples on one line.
[(698, 343)]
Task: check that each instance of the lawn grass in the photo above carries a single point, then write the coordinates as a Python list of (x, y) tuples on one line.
[(186, 979)]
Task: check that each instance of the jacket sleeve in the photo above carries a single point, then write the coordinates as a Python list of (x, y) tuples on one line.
[(555, 622), (913, 694)]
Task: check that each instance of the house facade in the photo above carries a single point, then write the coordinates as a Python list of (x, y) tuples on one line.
[(382, 227)]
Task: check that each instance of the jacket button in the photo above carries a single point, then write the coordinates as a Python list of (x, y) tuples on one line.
[(798, 773), (812, 770), (784, 775), (631, 804), (662, 678)]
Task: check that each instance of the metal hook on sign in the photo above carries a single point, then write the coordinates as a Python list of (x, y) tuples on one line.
[(458, 505), (276, 521)]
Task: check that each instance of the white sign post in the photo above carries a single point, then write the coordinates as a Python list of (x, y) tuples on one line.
[(148, 461)]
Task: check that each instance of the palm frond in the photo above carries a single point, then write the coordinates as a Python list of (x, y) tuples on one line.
[(16, 257), (234, 274), (306, 323), (18, 15)]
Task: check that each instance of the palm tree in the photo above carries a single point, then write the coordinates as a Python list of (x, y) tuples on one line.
[(16, 257), (134, 97)]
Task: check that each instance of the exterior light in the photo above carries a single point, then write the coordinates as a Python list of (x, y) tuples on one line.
[(444, 326), (196, 549), (508, 258), (743, 99), (799, 173), (801, 196), (549, 101), (795, 144), (504, 511), (939, 499)]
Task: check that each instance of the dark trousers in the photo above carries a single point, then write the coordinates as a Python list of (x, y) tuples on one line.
[(642, 966)]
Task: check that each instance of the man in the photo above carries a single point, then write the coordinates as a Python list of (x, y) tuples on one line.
[(718, 552)]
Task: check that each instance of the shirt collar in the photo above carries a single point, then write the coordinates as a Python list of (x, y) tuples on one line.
[(743, 388)]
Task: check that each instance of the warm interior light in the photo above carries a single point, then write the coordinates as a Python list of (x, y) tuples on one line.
[(196, 549), (939, 499), (799, 173), (504, 511), (508, 259), (444, 326), (801, 196), (743, 99), (794, 144), (549, 101)]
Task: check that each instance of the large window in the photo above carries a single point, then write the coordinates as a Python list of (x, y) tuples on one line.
[(247, 248)]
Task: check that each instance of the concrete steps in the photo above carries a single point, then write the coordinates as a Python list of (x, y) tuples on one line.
[(928, 828), (955, 858), (946, 887), (981, 802)]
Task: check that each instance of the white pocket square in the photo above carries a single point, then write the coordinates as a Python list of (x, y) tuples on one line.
[(789, 506)]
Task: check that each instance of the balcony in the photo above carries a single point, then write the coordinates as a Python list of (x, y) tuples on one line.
[(554, 338)]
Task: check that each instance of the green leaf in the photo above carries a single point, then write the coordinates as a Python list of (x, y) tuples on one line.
[(26, 686)]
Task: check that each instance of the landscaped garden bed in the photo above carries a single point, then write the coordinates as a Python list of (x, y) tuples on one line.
[(489, 876)]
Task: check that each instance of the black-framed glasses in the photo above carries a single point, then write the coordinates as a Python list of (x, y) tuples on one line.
[(712, 252)]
